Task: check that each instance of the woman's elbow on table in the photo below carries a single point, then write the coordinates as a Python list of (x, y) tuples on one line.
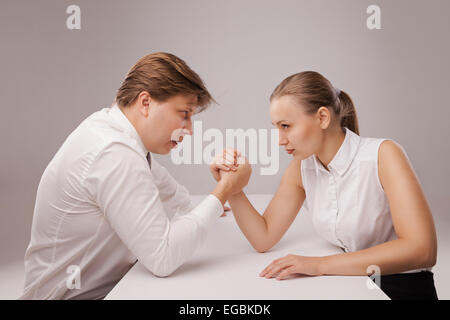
[(262, 247), (430, 256), (260, 250), (424, 254)]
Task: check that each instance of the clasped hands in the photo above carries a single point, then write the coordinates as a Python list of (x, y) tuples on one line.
[(231, 167)]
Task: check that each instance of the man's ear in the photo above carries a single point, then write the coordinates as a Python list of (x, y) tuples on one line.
[(324, 117), (144, 102)]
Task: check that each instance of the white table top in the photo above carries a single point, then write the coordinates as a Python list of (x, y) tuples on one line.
[(226, 267)]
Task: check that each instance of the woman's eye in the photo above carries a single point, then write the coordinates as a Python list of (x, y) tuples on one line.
[(285, 126)]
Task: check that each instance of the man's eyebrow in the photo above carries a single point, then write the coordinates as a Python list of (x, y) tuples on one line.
[(190, 107)]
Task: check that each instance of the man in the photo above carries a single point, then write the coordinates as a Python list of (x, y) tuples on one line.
[(103, 202)]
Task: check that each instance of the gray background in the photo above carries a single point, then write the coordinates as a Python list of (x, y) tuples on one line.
[(52, 78)]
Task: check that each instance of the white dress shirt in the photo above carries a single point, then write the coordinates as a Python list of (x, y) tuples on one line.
[(100, 207), (348, 205)]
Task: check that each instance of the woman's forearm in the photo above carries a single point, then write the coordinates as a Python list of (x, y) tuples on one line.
[(251, 223), (390, 257)]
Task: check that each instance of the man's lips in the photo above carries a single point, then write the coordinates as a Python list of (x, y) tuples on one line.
[(175, 143), (290, 151)]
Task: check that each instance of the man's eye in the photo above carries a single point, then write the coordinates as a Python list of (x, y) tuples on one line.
[(285, 126), (185, 114)]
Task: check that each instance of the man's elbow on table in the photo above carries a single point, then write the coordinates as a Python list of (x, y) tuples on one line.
[(162, 265), (161, 270), (162, 273)]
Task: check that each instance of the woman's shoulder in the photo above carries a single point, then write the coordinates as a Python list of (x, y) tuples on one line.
[(369, 147), (391, 150)]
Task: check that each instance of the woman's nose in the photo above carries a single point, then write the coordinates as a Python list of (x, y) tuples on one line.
[(282, 141)]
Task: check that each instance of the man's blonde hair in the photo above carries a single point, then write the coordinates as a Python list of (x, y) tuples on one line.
[(162, 75)]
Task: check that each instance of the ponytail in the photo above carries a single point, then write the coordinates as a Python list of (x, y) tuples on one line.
[(348, 115)]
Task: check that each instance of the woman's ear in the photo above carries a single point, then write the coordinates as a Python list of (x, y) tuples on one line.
[(324, 117)]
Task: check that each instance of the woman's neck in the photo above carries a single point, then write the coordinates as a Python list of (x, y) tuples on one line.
[(330, 146)]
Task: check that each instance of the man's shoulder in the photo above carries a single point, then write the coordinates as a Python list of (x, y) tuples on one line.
[(100, 131), (96, 135)]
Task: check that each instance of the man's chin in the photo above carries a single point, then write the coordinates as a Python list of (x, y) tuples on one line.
[(161, 151), (164, 152)]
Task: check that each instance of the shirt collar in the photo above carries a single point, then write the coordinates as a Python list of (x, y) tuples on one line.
[(345, 155), (127, 127)]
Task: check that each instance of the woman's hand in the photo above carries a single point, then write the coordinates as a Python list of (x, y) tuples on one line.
[(225, 161), (292, 264)]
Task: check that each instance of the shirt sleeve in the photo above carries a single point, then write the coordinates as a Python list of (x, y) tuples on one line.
[(174, 196), (121, 184)]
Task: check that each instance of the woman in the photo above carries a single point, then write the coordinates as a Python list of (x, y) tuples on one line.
[(362, 193)]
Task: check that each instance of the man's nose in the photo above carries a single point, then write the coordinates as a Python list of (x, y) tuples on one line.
[(188, 126)]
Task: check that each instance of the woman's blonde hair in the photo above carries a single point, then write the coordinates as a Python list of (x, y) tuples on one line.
[(314, 91)]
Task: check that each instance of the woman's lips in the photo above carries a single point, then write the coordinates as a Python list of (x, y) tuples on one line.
[(290, 151)]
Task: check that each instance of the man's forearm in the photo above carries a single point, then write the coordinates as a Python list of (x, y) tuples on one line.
[(222, 191)]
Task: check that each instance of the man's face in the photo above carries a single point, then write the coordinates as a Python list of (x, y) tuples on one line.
[(167, 122)]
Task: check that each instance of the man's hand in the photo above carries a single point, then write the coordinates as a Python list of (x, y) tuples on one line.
[(238, 178), (225, 209), (226, 161), (232, 172)]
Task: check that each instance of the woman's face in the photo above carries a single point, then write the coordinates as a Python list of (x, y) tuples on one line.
[(300, 133), (167, 122)]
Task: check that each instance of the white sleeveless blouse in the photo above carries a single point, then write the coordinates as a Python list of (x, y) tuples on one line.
[(348, 205)]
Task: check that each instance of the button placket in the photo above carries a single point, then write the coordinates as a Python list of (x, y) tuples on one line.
[(332, 183)]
